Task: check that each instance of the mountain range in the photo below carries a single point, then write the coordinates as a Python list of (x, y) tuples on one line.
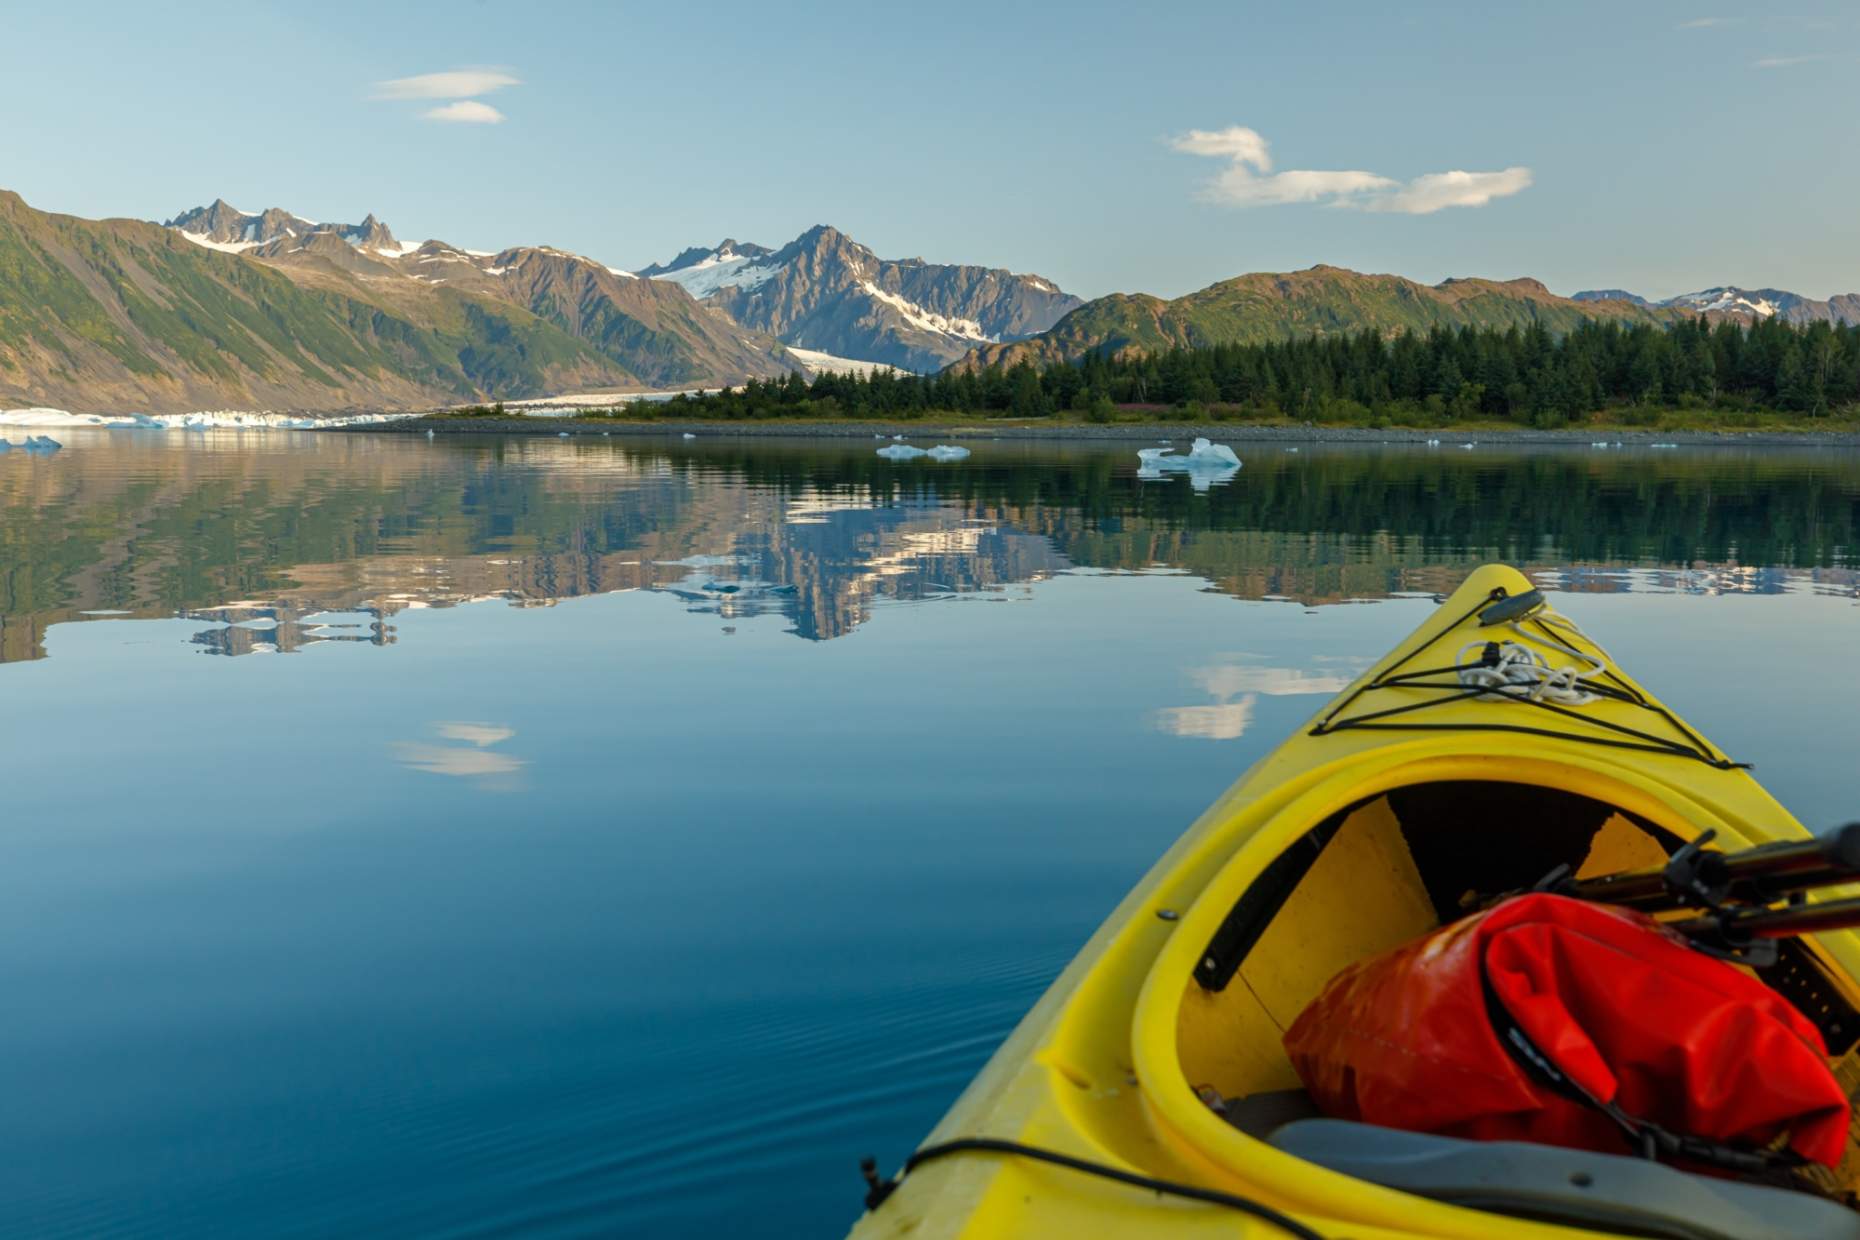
[(223, 308), (1761, 303), (1320, 300), (824, 291)]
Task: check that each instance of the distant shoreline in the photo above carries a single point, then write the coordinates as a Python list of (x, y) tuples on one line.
[(1148, 432)]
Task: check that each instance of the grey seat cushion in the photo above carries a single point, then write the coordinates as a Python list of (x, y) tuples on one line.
[(1607, 1192)]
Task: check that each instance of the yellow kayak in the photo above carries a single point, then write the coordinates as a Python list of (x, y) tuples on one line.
[(1147, 1092)]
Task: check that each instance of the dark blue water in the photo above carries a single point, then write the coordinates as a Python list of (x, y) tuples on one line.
[(638, 833)]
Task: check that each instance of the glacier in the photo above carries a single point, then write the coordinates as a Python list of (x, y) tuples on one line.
[(201, 420)]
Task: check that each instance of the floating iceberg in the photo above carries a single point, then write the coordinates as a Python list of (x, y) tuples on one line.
[(905, 452), (34, 443), (1202, 455), (1205, 464), (689, 435)]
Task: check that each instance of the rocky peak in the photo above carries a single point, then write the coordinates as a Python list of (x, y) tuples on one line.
[(730, 247), (225, 226), (724, 251), (1530, 286), (371, 234), (220, 221), (1610, 294)]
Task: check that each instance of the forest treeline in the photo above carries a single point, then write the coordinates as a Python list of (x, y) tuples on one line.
[(1527, 376)]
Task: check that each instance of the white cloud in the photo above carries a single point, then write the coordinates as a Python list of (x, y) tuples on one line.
[(465, 112), (1427, 194), (1787, 62), (454, 84), (1249, 181), (1706, 23), (1235, 142)]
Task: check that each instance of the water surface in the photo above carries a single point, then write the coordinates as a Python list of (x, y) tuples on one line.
[(640, 831)]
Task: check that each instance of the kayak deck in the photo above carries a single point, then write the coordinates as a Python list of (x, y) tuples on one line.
[(1364, 830)]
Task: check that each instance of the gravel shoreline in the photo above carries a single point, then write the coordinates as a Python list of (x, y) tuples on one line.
[(1149, 432)]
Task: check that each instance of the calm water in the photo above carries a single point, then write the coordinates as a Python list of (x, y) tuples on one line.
[(640, 832)]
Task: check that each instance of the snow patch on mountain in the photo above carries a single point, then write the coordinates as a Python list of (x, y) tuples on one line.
[(1727, 299), (225, 247), (927, 320), (826, 363), (722, 269)]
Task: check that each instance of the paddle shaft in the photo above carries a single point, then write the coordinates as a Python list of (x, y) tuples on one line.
[(1773, 923), (1758, 875)]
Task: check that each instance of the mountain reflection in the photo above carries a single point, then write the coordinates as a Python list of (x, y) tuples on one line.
[(280, 542)]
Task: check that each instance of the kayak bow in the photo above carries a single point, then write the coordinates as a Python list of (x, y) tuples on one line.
[(1494, 744)]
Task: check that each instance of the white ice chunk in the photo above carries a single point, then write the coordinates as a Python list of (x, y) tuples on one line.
[(901, 452), (1205, 464), (688, 435), (947, 452), (1203, 455)]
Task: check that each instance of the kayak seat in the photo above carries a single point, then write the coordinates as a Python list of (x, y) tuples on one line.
[(1607, 1192), (1260, 1115)]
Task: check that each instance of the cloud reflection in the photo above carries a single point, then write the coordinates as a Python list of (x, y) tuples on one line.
[(1224, 721), (471, 758), (1236, 684), (483, 735)]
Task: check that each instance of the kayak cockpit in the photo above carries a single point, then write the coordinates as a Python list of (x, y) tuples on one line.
[(1385, 870), (1370, 878)]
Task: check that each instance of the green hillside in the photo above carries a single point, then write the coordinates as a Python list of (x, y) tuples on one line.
[(119, 314), (1320, 301)]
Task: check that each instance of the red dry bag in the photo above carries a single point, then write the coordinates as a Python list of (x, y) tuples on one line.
[(1548, 1019)]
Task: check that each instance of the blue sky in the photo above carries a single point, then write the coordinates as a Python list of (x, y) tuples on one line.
[(1657, 146)]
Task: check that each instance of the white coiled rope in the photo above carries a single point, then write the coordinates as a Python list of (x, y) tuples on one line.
[(1520, 671)]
